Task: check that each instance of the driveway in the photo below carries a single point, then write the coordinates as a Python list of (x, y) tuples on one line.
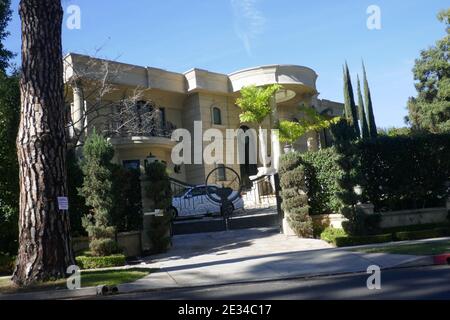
[(252, 255)]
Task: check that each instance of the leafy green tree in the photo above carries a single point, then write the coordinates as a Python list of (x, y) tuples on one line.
[(350, 106), (369, 107), (430, 109), (362, 114), (5, 17), (97, 190), (291, 131), (256, 105), (9, 168)]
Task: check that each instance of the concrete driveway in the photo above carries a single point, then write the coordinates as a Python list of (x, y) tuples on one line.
[(251, 255)]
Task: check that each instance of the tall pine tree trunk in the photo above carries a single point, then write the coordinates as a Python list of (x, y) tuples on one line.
[(45, 249)]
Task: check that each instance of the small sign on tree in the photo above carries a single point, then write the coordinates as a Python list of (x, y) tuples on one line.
[(63, 203)]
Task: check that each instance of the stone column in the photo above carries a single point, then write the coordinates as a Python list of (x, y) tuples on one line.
[(276, 148), (78, 111)]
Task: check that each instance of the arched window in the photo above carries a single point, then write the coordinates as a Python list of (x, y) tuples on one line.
[(216, 116)]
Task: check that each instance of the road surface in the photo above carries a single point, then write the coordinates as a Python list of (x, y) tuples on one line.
[(412, 283)]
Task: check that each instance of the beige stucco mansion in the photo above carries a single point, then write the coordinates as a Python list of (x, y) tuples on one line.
[(182, 98)]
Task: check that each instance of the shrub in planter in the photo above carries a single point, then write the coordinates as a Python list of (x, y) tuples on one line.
[(89, 262), (356, 241), (330, 234)]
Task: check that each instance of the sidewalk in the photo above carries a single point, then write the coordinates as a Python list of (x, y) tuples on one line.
[(242, 257)]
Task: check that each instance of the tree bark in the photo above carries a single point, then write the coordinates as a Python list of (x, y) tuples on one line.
[(45, 249)]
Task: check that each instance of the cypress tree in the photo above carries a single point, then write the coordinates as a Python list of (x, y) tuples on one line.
[(350, 106), (362, 114), (369, 107)]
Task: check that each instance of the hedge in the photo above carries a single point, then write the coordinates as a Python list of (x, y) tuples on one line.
[(405, 172), (323, 174), (87, 262), (7, 264), (423, 234), (356, 241), (330, 234)]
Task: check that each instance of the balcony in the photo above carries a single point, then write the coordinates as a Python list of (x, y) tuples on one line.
[(156, 136)]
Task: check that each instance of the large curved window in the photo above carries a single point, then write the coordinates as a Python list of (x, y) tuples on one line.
[(216, 116)]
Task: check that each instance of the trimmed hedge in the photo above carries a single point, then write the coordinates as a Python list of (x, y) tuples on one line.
[(7, 264), (87, 262), (405, 172), (423, 234), (330, 234), (357, 241), (323, 174)]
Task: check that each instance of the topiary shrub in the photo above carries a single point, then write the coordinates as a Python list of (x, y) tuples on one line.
[(294, 195), (357, 241), (159, 193), (97, 190), (103, 247), (330, 234), (88, 262)]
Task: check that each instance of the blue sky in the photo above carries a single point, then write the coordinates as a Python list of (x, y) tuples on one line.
[(228, 35)]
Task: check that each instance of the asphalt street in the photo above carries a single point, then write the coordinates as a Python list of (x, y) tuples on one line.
[(428, 283)]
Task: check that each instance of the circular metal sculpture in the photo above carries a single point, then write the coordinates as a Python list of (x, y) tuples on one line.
[(223, 186)]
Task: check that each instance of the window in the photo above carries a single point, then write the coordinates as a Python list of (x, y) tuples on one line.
[(162, 114), (217, 116), (221, 174), (132, 164)]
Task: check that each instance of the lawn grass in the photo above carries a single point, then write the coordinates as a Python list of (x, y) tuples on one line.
[(88, 279), (420, 249)]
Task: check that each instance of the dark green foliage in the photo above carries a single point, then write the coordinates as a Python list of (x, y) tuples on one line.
[(9, 168), (322, 176), (7, 264), (342, 132), (330, 234), (294, 195), (365, 134), (423, 234), (97, 190), (159, 233), (5, 17), (88, 262), (126, 214), (362, 240), (351, 113), (416, 227), (158, 189), (430, 109), (77, 203), (160, 194), (405, 172), (102, 246), (369, 107), (360, 223)]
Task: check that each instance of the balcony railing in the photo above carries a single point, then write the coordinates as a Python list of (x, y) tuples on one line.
[(117, 130)]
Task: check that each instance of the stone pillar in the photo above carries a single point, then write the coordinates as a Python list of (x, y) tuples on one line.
[(313, 143), (276, 147), (78, 111)]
